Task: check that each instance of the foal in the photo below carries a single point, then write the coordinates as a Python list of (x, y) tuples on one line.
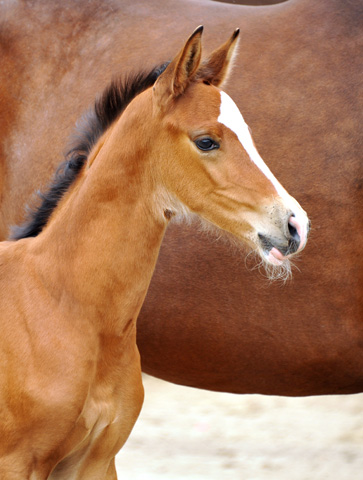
[(70, 378)]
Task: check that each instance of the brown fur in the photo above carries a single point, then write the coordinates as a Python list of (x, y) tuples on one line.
[(207, 320), (70, 382)]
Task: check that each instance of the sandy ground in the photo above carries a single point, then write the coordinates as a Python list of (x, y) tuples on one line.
[(185, 433)]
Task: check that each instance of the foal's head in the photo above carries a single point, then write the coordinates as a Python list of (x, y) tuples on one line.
[(207, 160)]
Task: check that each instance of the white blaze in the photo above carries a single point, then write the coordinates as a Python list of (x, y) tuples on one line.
[(232, 118)]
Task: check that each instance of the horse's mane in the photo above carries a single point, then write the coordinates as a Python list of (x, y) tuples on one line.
[(107, 108)]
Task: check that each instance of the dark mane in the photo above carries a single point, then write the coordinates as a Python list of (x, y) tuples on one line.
[(107, 108)]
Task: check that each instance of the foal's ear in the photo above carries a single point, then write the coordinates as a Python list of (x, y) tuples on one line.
[(176, 78), (217, 66)]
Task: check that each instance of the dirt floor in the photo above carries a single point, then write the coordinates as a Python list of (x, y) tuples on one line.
[(184, 433)]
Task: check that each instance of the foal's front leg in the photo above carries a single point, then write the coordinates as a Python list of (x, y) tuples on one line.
[(100, 461), (111, 472), (121, 402)]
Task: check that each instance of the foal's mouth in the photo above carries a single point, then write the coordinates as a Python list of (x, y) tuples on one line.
[(275, 252)]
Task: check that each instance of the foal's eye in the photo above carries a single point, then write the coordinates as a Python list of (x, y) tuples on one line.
[(206, 144)]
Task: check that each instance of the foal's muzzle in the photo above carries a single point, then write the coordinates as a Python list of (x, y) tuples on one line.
[(292, 241)]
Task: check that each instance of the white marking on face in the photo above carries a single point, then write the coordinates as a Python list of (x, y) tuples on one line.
[(232, 118)]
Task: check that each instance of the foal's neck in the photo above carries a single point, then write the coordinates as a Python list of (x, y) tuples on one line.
[(102, 242)]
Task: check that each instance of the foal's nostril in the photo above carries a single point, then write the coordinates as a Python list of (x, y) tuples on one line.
[(293, 232), (294, 240)]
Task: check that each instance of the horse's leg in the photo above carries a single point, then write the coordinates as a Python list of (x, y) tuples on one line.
[(111, 472), (93, 463), (120, 403)]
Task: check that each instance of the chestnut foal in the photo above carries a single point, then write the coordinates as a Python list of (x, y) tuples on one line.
[(70, 379)]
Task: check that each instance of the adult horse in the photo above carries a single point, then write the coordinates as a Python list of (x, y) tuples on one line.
[(208, 321)]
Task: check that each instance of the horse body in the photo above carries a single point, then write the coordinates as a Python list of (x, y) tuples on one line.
[(62, 401), (45, 389), (73, 291), (297, 81)]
